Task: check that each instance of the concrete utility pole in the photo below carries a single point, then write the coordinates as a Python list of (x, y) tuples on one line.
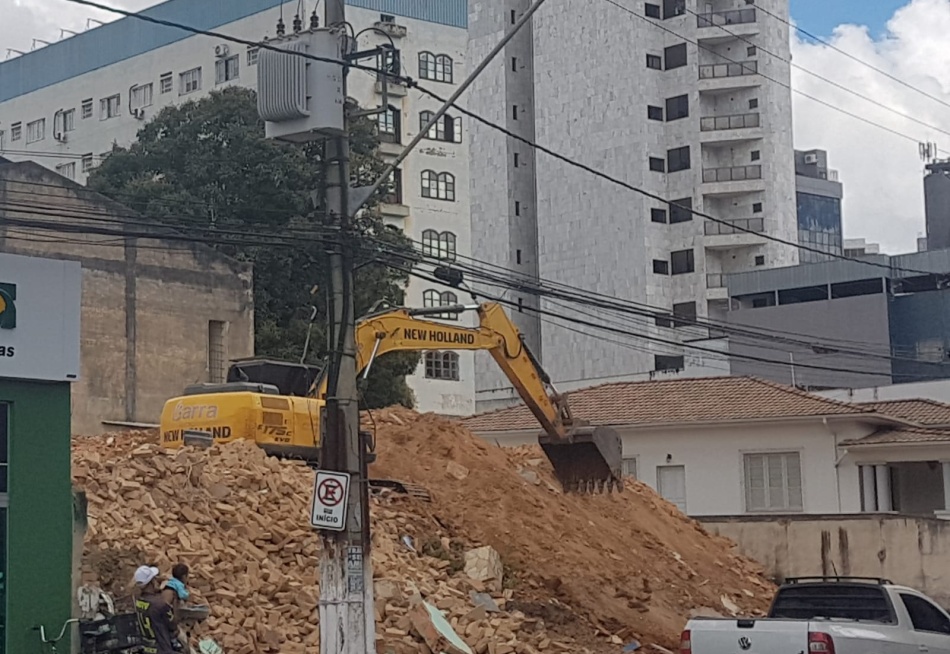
[(347, 620)]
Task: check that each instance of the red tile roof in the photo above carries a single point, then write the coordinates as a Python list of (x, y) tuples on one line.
[(902, 435), (699, 400), (923, 412)]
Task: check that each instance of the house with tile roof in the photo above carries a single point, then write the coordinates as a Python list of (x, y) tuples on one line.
[(719, 446)]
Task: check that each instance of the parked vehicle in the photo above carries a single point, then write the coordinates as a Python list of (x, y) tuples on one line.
[(829, 615)]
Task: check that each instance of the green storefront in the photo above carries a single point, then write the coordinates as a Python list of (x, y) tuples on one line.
[(39, 358)]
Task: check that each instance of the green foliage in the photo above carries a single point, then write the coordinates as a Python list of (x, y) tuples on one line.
[(206, 164)]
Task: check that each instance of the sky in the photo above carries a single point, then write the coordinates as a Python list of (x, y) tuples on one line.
[(881, 171)]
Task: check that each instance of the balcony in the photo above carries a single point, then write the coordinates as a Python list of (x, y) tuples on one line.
[(731, 174), (716, 287), (729, 234), (728, 129), (729, 76), (727, 25)]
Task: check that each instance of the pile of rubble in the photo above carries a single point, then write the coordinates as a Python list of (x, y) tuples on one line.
[(514, 565)]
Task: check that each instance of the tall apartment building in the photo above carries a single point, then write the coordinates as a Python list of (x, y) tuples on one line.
[(676, 97), (818, 194), (65, 105)]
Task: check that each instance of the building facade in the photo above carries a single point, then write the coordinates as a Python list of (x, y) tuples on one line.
[(156, 315), (65, 105), (844, 324), (692, 118), (818, 194)]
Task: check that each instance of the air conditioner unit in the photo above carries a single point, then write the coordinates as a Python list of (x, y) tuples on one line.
[(222, 50), (811, 158), (60, 136)]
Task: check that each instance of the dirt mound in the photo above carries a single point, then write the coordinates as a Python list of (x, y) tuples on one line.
[(620, 567), (629, 563)]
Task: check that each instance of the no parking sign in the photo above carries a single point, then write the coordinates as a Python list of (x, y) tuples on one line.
[(330, 493)]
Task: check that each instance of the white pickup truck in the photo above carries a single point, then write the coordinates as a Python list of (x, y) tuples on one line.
[(829, 615)]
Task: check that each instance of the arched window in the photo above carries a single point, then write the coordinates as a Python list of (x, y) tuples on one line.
[(438, 186), (448, 129), (432, 298), (438, 68), (427, 67), (441, 245), (443, 67), (442, 365)]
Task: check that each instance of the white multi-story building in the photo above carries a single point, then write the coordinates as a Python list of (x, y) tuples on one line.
[(677, 97), (66, 104)]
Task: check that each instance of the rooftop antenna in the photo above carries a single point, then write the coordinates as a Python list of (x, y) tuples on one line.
[(10, 51), (40, 41), (63, 30)]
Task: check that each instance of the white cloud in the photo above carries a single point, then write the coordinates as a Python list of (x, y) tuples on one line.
[(26, 20), (882, 173)]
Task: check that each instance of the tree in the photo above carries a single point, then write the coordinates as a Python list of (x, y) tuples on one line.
[(206, 164)]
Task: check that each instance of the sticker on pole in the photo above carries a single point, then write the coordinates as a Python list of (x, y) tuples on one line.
[(330, 492)]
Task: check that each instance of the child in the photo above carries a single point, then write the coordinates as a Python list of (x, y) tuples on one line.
[(177, 585)]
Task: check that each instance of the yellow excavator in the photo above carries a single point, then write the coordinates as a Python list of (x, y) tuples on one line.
[(259, 403)]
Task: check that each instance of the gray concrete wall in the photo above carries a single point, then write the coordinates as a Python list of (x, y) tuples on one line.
[(146, 303), (937, 209), (856, 323), (907, 550)]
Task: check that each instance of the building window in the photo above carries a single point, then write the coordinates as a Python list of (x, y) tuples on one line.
[(16, 131), (86, 110), (756, 207), (514, 64), (435, 67), (630, 466), (675, 56), (651, 10), (226, 70), (141, 96), (677, 107), (217, 351), (661, 267), (448, 129), (189, 81), (36, 131), (389, 64), (684, 314), (756, 155), (681, 211), (67, 170), (516, 159), (387, 18), (773, 482), (754, 103), (654, 62), (438, 186), (658, 216), (390, 125), (750, 51), (518, 257), (442, 365), (654, 113), (441, 245), (165, 83), (681, 262), (517, 208), (432, 298), (514, 112), (673, 8), (87, 163), (667, 363), (253, 53), (394, 194), (657, 165), (64, 121), (760, 260), (678, 159), (109, 107)]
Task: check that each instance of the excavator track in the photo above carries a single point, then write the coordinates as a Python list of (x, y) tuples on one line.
[(405, 488)]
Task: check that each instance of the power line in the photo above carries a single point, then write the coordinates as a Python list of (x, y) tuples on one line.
[(886, 74)]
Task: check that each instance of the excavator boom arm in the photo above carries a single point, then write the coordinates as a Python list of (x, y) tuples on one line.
[(403, 330)]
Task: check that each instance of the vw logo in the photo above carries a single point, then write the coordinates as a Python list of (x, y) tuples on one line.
[(745, 643)]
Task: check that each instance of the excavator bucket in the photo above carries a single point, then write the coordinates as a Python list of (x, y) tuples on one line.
[(590, 460)]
